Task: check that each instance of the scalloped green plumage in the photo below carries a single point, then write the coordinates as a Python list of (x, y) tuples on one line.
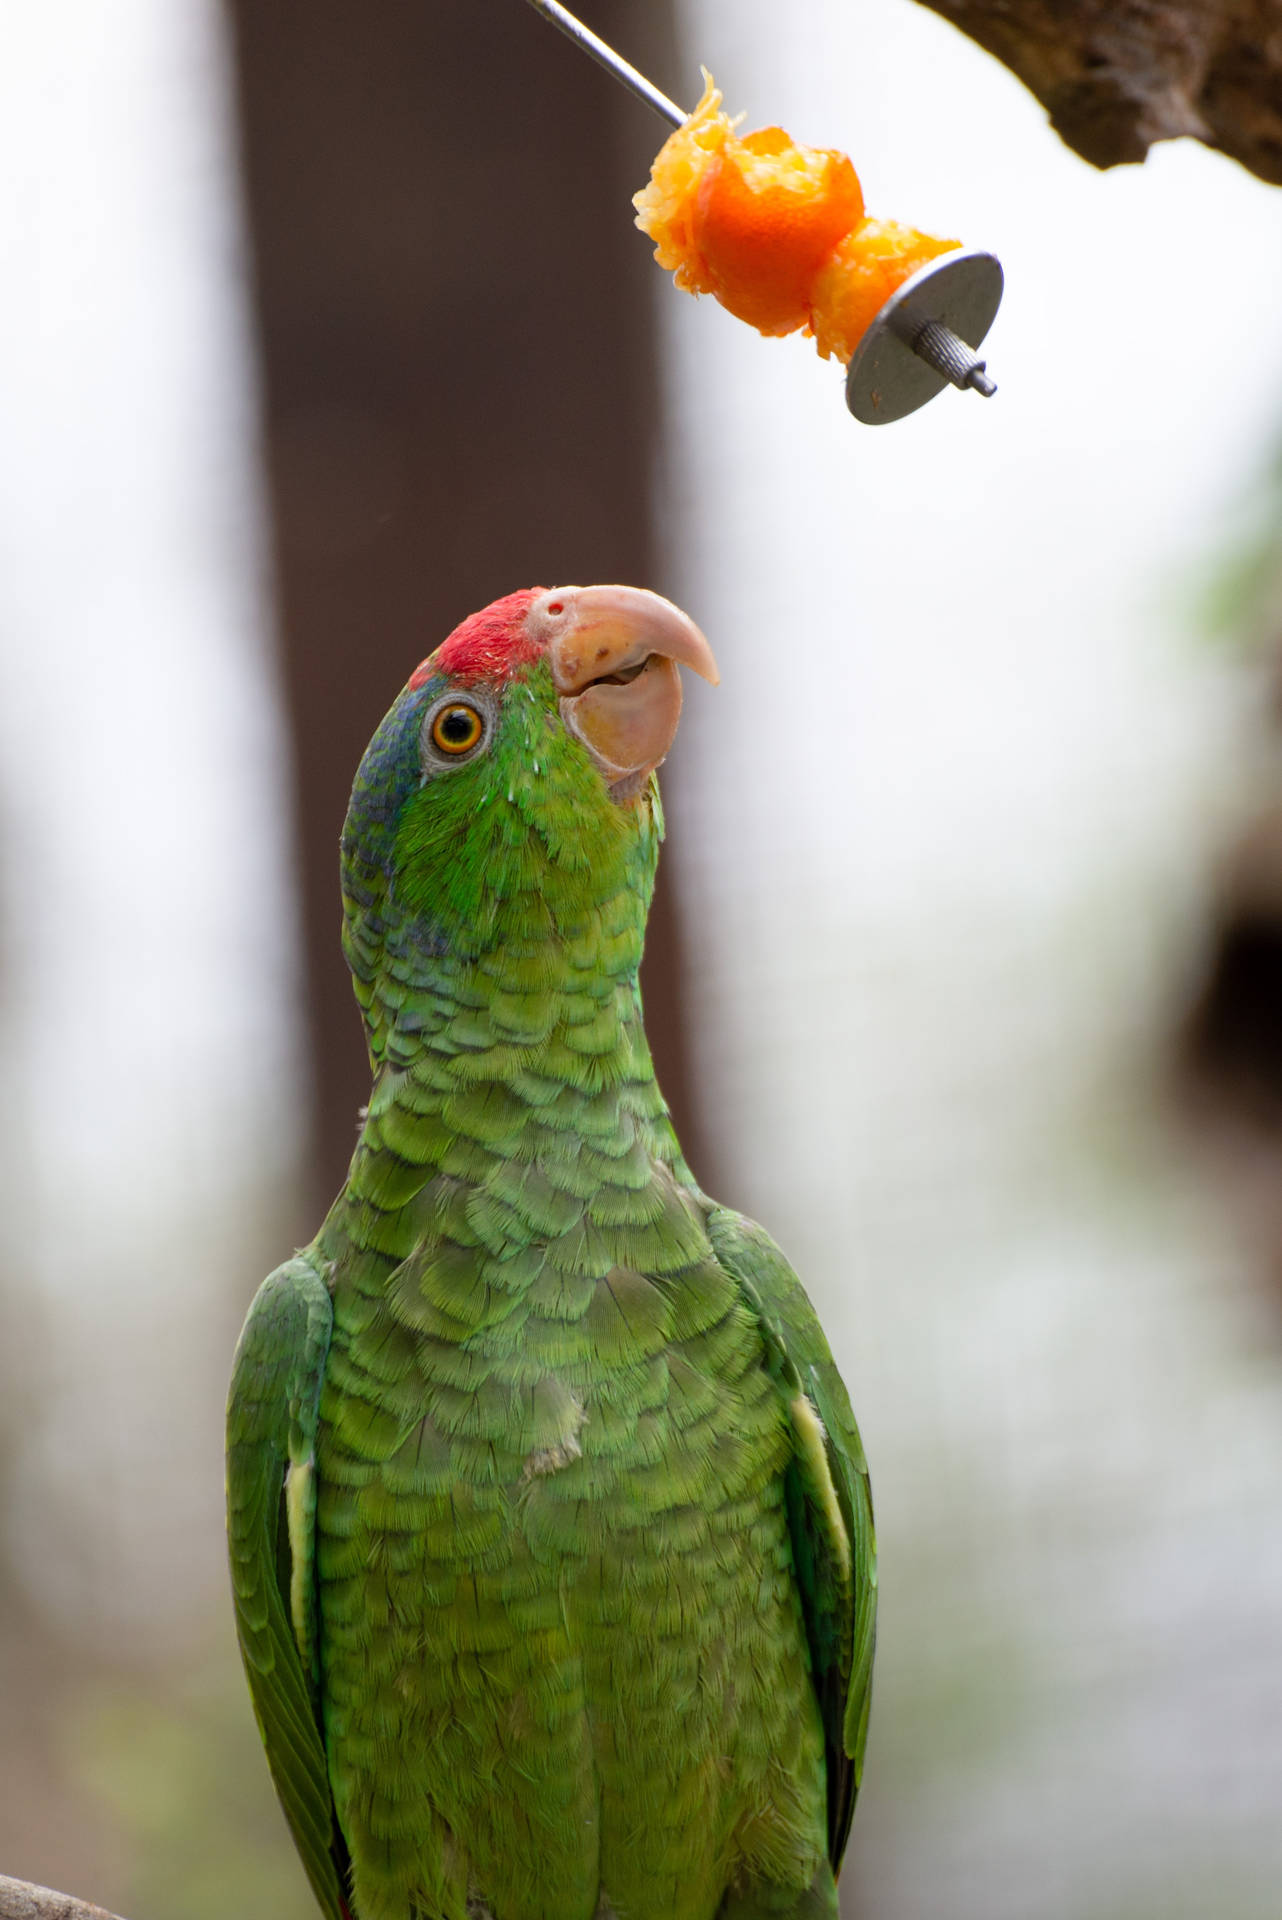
[(573, 1612)]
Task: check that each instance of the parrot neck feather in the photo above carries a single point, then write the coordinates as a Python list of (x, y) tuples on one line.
[(513, 1029)]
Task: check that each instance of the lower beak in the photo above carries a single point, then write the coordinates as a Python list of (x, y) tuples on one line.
[(615, 655)]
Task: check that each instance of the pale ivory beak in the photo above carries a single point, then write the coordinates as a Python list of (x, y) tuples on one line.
[(614, 654)]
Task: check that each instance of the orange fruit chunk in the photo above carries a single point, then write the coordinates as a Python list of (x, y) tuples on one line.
[(665, 206), (775, 231), (766, 216), (751, 220), (859, 277)]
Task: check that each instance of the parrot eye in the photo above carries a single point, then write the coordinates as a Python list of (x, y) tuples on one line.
[(455, 728)]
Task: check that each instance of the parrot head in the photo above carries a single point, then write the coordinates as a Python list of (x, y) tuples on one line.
[(510, 789)]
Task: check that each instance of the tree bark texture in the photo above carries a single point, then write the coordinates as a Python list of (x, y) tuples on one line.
[(1117, 75), (19, 1900)]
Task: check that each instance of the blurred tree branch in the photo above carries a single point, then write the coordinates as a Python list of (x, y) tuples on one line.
[(19, 1900), (1117, 75)]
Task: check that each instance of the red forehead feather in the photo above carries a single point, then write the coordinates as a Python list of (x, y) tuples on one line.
[(490, 644)]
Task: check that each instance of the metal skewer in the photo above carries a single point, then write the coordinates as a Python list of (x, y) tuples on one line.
[(613, 62), (925, 336)]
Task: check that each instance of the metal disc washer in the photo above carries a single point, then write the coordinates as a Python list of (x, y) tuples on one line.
[(888, 376)]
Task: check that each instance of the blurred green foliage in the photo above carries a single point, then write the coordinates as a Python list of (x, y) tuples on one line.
[(1241, 596), (180, 1769)]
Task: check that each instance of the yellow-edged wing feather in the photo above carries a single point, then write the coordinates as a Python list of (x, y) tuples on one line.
[(271, 1502), (829, 1504)]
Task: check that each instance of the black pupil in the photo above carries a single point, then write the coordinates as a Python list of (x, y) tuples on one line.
[(458, 726)]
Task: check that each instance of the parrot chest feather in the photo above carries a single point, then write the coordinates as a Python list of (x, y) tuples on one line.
[(552, 1546)]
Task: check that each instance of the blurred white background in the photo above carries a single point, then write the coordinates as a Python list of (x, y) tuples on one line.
[(943, 839), (947, 827), (148, 1044)]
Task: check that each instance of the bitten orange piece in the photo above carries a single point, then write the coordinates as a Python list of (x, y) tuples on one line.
[(665, 206), (775, 231), (859, 277), (766, 216)]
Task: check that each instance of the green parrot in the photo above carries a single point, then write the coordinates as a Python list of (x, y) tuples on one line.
[(551, 1536)]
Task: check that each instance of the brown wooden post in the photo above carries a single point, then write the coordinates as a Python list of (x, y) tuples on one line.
[(459, 384)]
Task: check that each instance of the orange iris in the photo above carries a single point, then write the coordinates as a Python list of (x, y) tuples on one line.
[(457, 728)]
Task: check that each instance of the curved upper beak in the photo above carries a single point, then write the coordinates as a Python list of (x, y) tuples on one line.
[(614, 653)]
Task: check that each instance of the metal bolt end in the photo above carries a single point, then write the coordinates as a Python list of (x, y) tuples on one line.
[(948, 354)]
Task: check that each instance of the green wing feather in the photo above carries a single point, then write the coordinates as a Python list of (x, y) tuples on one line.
[(271, 1501), (829, 1504)]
